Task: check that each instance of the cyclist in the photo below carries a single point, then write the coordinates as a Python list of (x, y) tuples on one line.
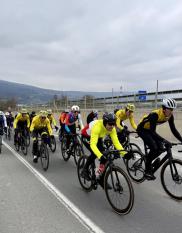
[(122, 115), (40, 126), (72, 118), (52, 119), (147, 131), (62, 119), (21, 122), (93, 115), (32, 115), (3, 123), (101, 128)]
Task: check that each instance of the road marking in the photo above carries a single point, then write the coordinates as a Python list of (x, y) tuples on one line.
[(72, 208)]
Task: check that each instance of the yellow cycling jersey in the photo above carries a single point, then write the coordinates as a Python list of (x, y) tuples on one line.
[(121, 116), (38, 124), (52, 120), (21, 119), (99, 131), (161, 118)]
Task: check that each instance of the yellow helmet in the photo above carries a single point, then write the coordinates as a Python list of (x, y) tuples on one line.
[(130, 107), (43, 113), (23, 111)]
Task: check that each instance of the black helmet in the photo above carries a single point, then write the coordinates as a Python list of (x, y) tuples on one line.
[(33, 112), (109, 118)]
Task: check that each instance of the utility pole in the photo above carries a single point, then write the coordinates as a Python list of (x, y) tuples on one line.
[(156, 94)]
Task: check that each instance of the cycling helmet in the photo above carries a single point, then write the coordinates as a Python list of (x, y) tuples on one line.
[(169, 103), (23, 111), (1, 113), (130, 107), (33, 113), (7, 114), (49, 111), (109, 118), (75, 108), (43, 113), (116, 110), (66, 110), (95, 112)]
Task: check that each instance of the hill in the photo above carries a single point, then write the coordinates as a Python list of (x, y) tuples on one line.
[(26, 94)]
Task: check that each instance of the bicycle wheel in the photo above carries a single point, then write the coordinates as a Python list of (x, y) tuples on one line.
[(171, 178), (53, 144), (64, 153), (17, 144), (44, 156), (136, 167), (28, 139), (9, 134), (78, 152), (119, 190), (24, 147), (85, 184)]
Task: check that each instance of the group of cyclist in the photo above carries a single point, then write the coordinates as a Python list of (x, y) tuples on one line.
[(111, 124)]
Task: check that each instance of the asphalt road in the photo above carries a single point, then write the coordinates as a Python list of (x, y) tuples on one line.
[(32, 200)]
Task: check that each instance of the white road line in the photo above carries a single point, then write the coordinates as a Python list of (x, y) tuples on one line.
[(73, 209)]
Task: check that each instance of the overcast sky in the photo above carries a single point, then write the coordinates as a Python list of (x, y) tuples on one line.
[(92, 45)]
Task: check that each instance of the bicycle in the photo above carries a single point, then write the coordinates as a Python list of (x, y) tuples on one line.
[(43, 152), (75, 148), (171, 171), (21, 141), (117, 185)]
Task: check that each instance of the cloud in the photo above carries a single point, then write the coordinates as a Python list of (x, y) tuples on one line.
[(91, 45)]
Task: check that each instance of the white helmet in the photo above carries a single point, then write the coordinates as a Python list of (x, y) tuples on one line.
[(7, 114), (169, 103), (75, 108), (49, 111), (1, 113)]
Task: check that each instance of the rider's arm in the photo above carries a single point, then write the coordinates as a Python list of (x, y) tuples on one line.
[(173, 129), (80, 121), (28, 121), (116, 142), (5, 121), (54, 121), (93, 142), (118, 120), (16, 121), (132, 122), (49, 127)]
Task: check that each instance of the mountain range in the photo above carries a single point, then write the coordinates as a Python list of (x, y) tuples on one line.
[(26, 94)]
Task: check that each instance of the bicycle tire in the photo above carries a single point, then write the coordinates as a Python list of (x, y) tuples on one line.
[(136, 167), (78, 152), (86, 185), (9, 134), (28, 139), (63, 150), (121, 188), (44, 156), (17, 145), (53, 144), (177, 183), (24, 146)]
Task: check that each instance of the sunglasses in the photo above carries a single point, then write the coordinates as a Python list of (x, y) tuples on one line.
[(43, 118), (111, 123)]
